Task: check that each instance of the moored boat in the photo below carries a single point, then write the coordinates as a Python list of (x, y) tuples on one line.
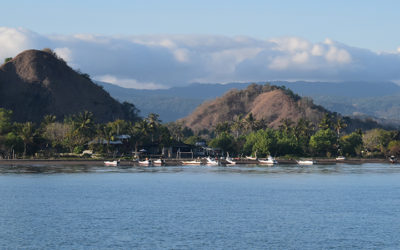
[(340, 158), (269, 161), (193, 163), (111, 163), (393, 159), (305, 162), (229, 160), (251, 157), (146, 162), (211, 162), (159, 162)]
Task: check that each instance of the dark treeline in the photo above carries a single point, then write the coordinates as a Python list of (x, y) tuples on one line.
[(243, 136)]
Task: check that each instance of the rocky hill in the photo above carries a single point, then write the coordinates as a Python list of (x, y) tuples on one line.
[(270, 103), (36, 83)]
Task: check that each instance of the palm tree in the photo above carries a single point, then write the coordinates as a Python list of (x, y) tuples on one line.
[(48, 119), (303, 128), (286, 125), (27, 135), (326, 122), (176, 130), (83, 126), (139, 132), (339, 125), (303, 131), (249, 122), (237, 125), (153, 124), (105, 133), (222, 127)]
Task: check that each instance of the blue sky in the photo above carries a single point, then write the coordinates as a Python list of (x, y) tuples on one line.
[(159, 44), (366, 24)]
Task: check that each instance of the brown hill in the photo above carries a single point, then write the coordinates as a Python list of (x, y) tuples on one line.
[(36, 83), (271, 103)]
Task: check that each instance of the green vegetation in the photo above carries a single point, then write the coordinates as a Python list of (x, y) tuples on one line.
[(7, 59), (242, 136)]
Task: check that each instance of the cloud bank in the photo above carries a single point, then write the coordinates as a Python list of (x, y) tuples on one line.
[(161, 61)]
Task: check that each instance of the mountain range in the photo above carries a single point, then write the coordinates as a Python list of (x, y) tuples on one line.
[(38, 82), (380, 100)]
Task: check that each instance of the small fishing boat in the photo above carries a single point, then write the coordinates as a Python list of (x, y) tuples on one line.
[(229, 160), (192, 163), (305, 162), (340, 158), (269, 161), (111, 163), (211, 162), (146, 162), (159, 162)]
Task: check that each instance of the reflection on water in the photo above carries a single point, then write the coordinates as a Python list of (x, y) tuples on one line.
[(368, 168)]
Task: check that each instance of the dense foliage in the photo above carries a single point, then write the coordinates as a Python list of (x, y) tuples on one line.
[(242, 136)]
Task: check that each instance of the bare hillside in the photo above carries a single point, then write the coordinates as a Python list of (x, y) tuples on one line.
[(36, 83), (271, 103)]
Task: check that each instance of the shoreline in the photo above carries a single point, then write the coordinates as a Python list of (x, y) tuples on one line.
[(174, 162)]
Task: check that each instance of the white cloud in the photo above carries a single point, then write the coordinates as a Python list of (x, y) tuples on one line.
[(181, 55), (301, 57), (337, 55), (13, 41), (291, 44), (64, 53), (159, 61), (318, 50), (129, 83), (279, 63)]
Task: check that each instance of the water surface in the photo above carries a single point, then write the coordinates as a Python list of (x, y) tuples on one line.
[(242, 207)]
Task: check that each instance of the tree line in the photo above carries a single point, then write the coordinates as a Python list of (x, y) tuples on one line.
[(248, 136), (242, 136)]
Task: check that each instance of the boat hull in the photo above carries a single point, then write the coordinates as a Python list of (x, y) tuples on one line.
[(111, 163)]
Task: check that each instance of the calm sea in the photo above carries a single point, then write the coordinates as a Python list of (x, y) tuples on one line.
[(243, 207)]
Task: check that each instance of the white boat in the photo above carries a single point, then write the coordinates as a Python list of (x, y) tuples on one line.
[(393, 159), (229, 160), (146, 162), (340, 158), (193, 163), (158, 162), (211, 161), (269, 161), (305, 162), (111, 163), (251, 158)]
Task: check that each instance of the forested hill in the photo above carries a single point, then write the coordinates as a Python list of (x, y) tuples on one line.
[(37, 83)]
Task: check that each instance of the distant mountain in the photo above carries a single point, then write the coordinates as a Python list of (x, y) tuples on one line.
[(377, 99), (270, 103), (36, 83)]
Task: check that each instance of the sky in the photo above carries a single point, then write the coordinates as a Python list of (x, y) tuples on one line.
[(159, 44)]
